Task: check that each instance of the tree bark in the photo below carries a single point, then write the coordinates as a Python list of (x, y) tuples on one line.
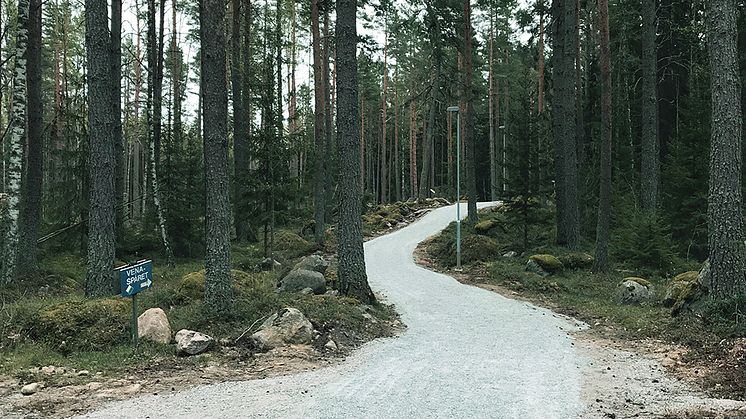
[(218, 283), (384, 124), (32, 183), (650, 166), (353, 280), (725, 203), (14, 146), (564, 124), (491, 106), (101, 160), (601, 261)]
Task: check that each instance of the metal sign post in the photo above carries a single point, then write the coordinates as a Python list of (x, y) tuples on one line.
[(458, 184), (134, 278)]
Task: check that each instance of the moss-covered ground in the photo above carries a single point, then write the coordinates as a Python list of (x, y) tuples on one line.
[(708, 329), (46, 320)]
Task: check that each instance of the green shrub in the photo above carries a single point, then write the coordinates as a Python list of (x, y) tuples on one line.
[(643, 241), (83, 325), (727, 318)]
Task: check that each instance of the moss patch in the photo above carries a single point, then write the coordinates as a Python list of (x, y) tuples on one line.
[(83, 325)]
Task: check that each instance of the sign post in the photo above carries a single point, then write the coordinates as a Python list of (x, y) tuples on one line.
[(134, 278)]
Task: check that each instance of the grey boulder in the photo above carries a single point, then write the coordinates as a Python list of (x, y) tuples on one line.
[(287, 326), (314, 263), (300, 279), (632, 293)]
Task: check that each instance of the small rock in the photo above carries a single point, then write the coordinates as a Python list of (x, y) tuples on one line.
[(268, 264), (511, 254), (30, 389), (332, 293), (225, 342), (189, 342), (534, 267), (153, 325), (306, 291), (332, 346), (84, 373), (49, 370), (631, 292)]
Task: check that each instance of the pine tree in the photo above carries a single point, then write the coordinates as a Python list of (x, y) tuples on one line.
[(725, 203), (32, 183), (101, 158), (353, 280), (218, 284), (650, 153)]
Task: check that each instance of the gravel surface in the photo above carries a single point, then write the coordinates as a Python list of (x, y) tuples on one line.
[(467, 353)]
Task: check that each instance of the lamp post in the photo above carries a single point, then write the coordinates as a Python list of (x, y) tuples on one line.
[(458, 184), (504, 159)]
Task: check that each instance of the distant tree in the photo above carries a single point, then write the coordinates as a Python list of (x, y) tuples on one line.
[(725, 203), (218, 284), (650, 157), (319, 202), (353, 280), (470, 134)]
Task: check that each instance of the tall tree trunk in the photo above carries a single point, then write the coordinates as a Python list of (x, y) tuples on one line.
[(725, 203), (470, 139), (650, 165), (601, 261), (564, 124), (154, 111), (116, 100), (329, 128), (240, 135), (353, 280), (319, 203), (218, 283), (32, 183), (101, 160), (13, 152)]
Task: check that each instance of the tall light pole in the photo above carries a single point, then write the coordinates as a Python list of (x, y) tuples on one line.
[(458, 184), (504, 159)]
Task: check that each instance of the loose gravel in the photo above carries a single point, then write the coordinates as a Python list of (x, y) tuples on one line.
[(467, 353)]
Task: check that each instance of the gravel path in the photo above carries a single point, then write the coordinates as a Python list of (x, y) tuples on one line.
[(467, 353)]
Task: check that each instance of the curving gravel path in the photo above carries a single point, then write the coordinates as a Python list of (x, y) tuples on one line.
[(467, 353)]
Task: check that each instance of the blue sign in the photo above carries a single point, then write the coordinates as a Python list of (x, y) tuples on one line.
[(136, 277)]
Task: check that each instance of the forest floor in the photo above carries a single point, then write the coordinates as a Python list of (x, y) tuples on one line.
[(82, 379), (644, 361)]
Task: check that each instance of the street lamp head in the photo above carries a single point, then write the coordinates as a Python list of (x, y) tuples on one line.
[(452, 109)]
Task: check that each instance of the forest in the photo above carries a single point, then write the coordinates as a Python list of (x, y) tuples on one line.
[(195, 133)]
